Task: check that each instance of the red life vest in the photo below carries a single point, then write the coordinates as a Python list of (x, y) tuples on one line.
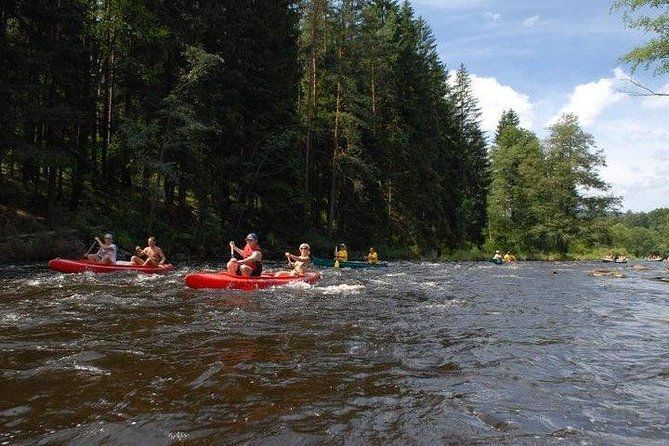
[(247, 252)]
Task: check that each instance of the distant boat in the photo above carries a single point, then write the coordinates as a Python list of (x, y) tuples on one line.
[(317, 261)]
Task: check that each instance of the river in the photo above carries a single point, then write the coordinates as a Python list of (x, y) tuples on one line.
[(416, 353)]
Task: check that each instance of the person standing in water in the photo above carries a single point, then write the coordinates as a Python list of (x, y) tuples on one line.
[(251, 262), (152, 255), (106, 255)]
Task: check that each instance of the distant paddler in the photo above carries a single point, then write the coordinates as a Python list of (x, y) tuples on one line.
[(106, 254), (497, 258), (251, 262), (509, 258), (152, 255), (341, 253), (372, 257), (298, 263)]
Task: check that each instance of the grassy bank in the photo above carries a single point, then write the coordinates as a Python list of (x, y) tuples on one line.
[(478, 254)]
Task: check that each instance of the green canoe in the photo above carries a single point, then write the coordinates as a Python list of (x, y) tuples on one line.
[(317, 261)]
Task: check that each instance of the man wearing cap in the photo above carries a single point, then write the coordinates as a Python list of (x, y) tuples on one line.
[(107, 252), (251, 263)]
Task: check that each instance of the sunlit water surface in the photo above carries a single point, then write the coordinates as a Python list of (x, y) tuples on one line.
[(416, 353)]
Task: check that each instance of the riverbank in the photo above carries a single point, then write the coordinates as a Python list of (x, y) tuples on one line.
[(27, 238)]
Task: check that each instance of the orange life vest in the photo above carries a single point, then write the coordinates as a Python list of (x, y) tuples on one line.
[(247, 252)]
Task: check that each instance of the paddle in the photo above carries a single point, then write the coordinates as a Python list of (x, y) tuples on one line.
[(90, 249), (336, 262), (232, 251)]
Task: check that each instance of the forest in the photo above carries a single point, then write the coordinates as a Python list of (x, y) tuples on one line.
[(323, 121)]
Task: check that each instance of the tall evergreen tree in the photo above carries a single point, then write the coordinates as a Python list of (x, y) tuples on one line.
[(516, 164), (472, 159), (509, 118)]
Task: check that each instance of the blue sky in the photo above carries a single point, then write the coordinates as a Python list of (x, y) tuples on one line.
[(547, 57)]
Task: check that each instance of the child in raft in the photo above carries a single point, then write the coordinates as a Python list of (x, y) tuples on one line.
[(299, 263)]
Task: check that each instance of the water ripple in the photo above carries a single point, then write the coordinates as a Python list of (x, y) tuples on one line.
[(416, 353)]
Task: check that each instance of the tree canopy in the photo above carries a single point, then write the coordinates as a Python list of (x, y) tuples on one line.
[(651, 16), (198, 121), (317, 120)]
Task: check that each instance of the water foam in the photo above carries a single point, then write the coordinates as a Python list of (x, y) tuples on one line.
[(298, 285), (10, 318), (342, 289)]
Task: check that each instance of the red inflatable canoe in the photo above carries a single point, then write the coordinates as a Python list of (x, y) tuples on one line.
[(82, 265), (228, 281)]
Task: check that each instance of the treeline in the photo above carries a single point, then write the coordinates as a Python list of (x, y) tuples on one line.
[(199, 121), (639, 234), (548, 198)]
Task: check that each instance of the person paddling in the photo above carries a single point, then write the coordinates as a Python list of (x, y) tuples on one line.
[(106, 254), (341, 253), (152, 255), (251, 262), (509, 258), (298, 263), (497, 257), (372, 257)]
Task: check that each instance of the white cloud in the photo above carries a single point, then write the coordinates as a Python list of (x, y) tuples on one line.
[(658, 102), (642, 183), (492, 16), (636, 145), (531, 21), (588, 101), (494, 97)]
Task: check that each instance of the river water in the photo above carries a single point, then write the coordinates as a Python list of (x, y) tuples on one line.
[(416, 353)]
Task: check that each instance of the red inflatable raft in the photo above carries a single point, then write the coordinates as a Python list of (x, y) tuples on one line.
[(228, 281), (82, 265)]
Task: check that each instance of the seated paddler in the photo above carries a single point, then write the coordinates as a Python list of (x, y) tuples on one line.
[(251, 261)]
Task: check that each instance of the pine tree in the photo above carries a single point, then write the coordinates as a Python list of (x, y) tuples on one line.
[(516, 164), (472, 159), (509, 119)]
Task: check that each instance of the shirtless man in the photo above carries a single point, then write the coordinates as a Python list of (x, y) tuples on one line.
[(107, 252), (149, 256)]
